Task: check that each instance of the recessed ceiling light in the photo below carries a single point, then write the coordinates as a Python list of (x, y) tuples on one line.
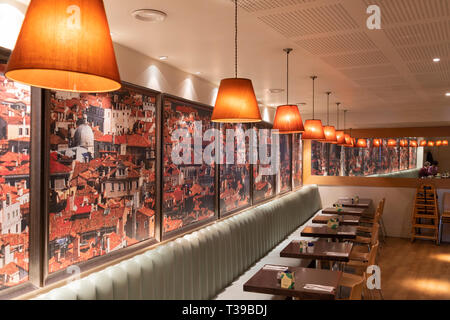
[(436, 60), (301, 103), (163, 58), (448, 94), (198, 72), (276, 90), (149, 15)]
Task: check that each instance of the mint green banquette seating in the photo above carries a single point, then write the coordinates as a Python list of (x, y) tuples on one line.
[(199, 265)]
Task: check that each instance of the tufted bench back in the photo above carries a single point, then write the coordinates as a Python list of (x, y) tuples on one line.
[(201, 264)]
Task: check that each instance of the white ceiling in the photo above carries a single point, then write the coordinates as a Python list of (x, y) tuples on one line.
[(385, 78)]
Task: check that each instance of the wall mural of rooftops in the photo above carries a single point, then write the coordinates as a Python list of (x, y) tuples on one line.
[(188, 188), (15, 138), (102, 174)]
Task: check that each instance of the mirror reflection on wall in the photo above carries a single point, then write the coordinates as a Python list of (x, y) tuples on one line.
[(387, 158)]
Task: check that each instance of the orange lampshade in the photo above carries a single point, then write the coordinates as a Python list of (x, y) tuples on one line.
[(288, 120), (392, 143), (413, 144), (376, 142), (313, 130), (362, 143), (236, 102), (423, 143), (438, 143), (403, 143), (430, 143), (340, 137), (348, 140), (65, 45), (330, 135), (445, 143)]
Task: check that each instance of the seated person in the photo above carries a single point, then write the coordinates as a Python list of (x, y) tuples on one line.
[(433, 169), (424, 171)]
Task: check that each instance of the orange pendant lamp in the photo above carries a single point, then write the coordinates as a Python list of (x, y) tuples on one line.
[(413, 144), (392, 143), (362, 143), (403, 143), (376, 143), (65, 45), (438, 143), (287, 118), (423, 143), (236, 101), (340, 135), (329, 131), (430, 144), (445, 143), (347, 138), (313, 128)]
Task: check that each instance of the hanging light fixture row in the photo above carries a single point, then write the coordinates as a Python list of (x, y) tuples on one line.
[(313, 127), (51, 52), (329, 131), (236, 101), (287, 117)]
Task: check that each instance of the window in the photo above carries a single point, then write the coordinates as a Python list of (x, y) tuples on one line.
[(20, 131)]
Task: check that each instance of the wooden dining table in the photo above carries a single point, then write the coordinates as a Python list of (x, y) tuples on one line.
[(266, 281), (340, 233), (350, 211), (323, 250), (362, 203), (346, 220)]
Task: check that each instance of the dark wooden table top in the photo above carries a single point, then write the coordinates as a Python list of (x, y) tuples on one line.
[(323, 250), (265, 281), (350, 211), (363, 203), (346, 220), (342, 232)]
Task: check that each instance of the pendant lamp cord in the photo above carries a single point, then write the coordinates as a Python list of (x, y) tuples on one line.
[(235, 39), (337, 114), (328, 108), (313, 79), (345, 116), (287, 77), (287, 50)]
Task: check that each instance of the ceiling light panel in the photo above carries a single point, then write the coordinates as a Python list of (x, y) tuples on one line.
[(357, 41), (310, 21), (259, 5), (400, 11), (356, 59), (419, 34)]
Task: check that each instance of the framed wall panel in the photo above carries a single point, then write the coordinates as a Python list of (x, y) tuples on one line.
[(284, 175), (15, 181), (234, 177), (102, 176), (297, 161), (319, 160), (189, 187), (264, 185)]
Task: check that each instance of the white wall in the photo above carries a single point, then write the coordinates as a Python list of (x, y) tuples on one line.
[(139, 69), (398, 209)]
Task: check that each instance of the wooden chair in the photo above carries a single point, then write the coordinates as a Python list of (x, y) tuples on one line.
[(357, 285), (367, 259), (375, 219)]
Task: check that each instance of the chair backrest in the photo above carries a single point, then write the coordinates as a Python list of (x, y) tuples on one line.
[(373, 253), (383, 201), (374, 233), (357, 289)]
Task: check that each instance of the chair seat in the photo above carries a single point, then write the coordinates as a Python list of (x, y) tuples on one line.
[(359, 256), (363, 240), (364, 229)]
